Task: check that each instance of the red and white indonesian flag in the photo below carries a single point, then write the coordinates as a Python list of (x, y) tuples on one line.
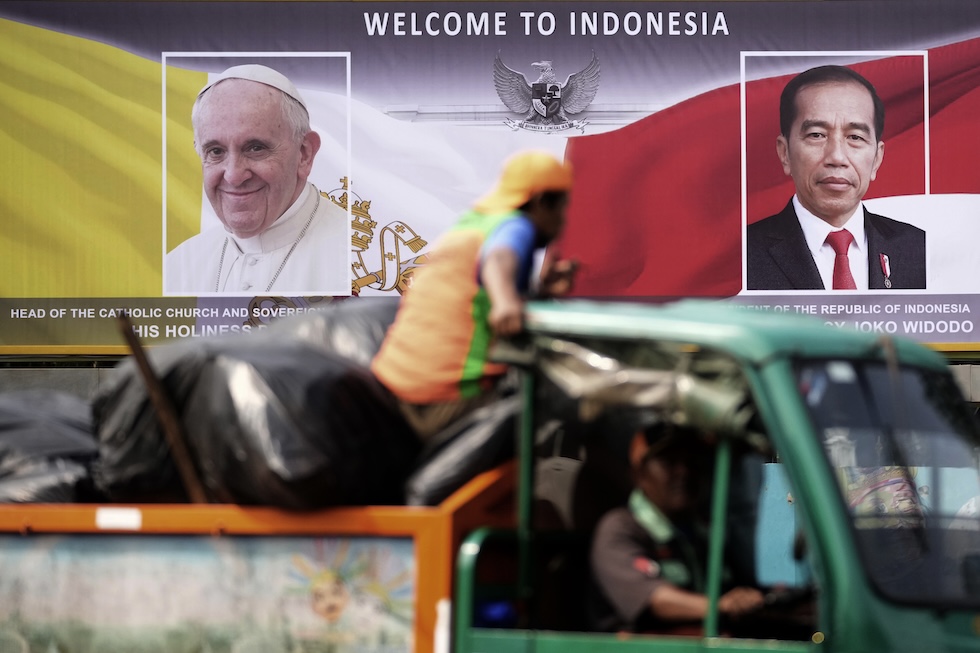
[(657, 209)]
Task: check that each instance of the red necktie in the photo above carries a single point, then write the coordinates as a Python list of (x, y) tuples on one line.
[(840, 241)]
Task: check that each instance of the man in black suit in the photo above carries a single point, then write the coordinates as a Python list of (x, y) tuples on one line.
[(831, 120)]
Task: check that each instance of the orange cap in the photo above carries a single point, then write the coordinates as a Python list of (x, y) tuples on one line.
[(525, 174)]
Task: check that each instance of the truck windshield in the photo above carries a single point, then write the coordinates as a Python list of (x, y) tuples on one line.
[(904, 447)]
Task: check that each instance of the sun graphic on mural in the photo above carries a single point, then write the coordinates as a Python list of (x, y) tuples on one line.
[(347, 584)]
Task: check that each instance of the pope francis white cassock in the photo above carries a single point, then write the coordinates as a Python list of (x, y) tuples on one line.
[(278, 234)]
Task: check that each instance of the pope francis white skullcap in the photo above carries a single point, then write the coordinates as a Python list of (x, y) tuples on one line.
[(261, 74)]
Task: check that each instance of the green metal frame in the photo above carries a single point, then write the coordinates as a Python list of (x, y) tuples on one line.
[(471, 639), (852, 617), (716, 545)]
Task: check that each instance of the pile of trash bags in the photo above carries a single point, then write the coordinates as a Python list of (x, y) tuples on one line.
[(288, 416), (47, 448)]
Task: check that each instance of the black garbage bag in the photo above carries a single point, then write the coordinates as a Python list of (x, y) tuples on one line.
[(295, 427), (134, 463), (46, 447), (277, 417), (474, 444), (353, 328)]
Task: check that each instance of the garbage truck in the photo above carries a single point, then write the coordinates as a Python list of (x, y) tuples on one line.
[(844, 478)]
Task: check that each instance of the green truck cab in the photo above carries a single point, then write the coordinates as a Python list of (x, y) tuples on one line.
[(855, 447)]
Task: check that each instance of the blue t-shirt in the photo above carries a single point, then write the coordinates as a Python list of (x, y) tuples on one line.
[(518, 235)]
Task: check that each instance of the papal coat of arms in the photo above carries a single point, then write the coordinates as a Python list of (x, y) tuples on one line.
[(396, 252), (546, 103), (398, 247)]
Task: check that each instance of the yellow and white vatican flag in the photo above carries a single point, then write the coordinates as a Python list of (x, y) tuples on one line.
[(80, 175)]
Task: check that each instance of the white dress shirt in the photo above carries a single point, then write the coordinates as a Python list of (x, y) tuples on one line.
[(815, 231)]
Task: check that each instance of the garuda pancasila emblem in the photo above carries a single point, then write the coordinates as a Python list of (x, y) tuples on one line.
[(546, 103)]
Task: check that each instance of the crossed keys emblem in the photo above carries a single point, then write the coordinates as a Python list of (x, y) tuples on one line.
[(399, 243)]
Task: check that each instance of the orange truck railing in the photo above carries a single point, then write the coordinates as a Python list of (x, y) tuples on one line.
[(486, 500)]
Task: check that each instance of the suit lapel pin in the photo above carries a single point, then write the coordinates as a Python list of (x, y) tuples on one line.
[(886, 269)]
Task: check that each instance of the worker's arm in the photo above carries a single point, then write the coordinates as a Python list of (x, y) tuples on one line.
[(671, 603), (498, 274), (557, 275)]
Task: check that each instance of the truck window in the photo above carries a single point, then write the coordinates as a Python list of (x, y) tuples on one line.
[(590, 396), (905, 451)]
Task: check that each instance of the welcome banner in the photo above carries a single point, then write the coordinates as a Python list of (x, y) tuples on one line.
[(668, 112)]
